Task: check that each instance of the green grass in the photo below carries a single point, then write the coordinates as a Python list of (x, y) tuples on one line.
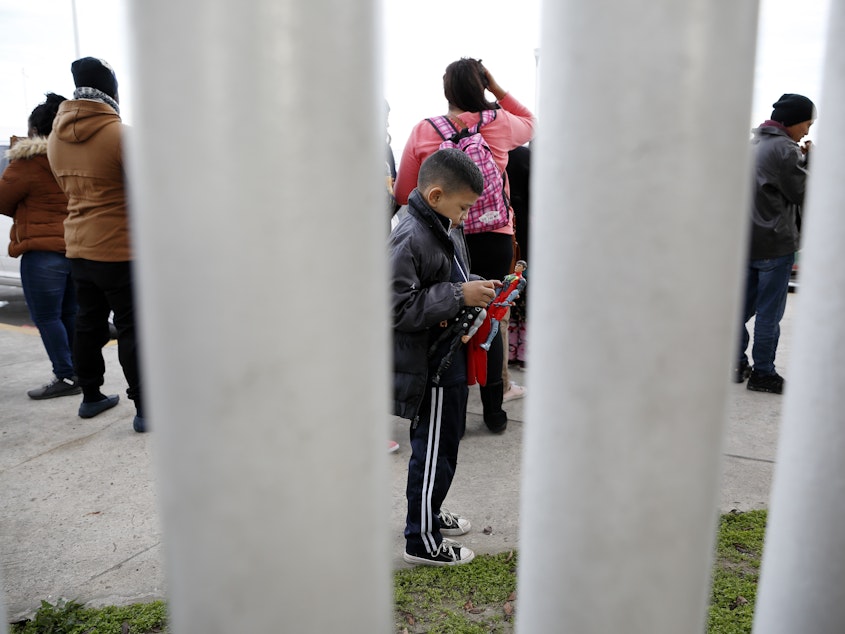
[(72, 618), (739, 549), (474, 599), (479, 598)]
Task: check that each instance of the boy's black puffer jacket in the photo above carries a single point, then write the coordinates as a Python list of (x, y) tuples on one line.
[(421, 252)]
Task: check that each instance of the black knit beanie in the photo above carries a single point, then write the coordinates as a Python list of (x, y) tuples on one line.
[(90, 72), (791, 109)]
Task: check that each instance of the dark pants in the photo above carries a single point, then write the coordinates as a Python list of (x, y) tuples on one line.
[(51, 299), (491, 255), (766, 288), (103, 287), (434, 457)]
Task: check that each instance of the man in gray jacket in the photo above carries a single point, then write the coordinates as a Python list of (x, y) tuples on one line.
[(780, 178)]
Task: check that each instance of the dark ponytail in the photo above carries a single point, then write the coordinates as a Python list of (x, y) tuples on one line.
[(41, 119)]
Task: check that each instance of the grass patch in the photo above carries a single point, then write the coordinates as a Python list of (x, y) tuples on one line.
[(479, 598), (474, 599), (739, 550), (72, 618)]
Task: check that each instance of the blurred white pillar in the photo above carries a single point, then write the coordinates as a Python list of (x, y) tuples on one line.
[(641, 187), (802, 587), (3, 617), (259, 219)]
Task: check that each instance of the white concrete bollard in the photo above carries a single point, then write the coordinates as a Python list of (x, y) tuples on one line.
[(258, 208), (802, 585), (3, 617), (639, 223)]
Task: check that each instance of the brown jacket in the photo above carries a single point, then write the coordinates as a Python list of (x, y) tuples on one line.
[(31, 196), (86, 156)]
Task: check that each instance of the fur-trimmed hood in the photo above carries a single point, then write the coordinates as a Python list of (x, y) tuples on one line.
[(27, 148)]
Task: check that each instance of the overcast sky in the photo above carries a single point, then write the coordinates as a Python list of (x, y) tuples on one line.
[(37, 46)]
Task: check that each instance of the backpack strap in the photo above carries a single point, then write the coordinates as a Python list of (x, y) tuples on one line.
[(445, 128), (487, 116)]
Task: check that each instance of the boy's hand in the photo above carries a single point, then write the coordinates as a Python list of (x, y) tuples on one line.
[(479, 292)]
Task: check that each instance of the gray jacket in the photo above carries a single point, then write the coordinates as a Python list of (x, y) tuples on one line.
[(780, 178), (421, 252)]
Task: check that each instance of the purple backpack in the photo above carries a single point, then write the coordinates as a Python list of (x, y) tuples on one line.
[(490, 211)]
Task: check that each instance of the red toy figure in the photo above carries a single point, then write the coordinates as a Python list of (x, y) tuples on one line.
[(512, 286)]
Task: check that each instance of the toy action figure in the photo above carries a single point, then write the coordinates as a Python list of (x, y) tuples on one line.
[(462, 328), (512, 286)]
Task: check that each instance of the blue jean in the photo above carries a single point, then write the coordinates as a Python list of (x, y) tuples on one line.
[(51, 298), (766, 288)]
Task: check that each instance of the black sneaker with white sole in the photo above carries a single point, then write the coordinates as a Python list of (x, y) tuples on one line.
[(449, 553), (58, 387), (451, 524)]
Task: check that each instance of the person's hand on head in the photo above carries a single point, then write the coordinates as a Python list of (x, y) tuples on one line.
[(492, 85)]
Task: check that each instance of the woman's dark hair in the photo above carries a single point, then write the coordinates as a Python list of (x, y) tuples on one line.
[(41, 119), (464, 84)]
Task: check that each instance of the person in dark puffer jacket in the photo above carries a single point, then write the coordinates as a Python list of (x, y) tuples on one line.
[(30, 194), (780, 179), (431, 284)]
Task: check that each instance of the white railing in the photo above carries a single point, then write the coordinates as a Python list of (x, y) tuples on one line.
[(802, 586), (638, 234)]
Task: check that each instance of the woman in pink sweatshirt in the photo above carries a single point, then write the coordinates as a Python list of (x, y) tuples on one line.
[(491, 252)]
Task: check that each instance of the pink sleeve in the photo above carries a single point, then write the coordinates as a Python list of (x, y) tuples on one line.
[(409, 168), (422, 143), (522, 121), (513, 126)]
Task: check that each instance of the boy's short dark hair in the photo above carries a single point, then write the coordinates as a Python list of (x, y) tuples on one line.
[(451, 170)]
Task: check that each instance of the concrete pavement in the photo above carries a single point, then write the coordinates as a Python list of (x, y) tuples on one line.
[(78, 516)]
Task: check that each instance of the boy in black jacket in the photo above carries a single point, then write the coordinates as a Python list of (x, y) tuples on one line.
[(431, 284)]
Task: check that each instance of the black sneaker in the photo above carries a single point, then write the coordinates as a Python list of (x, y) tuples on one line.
[(449, 553), (742, 372), (772, 383), (59, 387), (451, 524)]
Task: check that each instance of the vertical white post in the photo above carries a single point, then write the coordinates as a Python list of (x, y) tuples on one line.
[(802, 587), (3, 618), (75, 29), (641, 185), (258, 206)]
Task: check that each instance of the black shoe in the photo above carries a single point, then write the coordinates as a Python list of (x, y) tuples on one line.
[(59, 387), (449, 553), (497, 426), (451, 524), (495, 417), (139, 424), (90, 410), (772, 383), (742, 372)]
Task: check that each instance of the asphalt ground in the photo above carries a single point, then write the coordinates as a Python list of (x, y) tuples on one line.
[(78, 511)]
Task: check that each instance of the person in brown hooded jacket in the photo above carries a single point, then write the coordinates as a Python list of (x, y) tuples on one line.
[(85, 152), (31, 196)]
